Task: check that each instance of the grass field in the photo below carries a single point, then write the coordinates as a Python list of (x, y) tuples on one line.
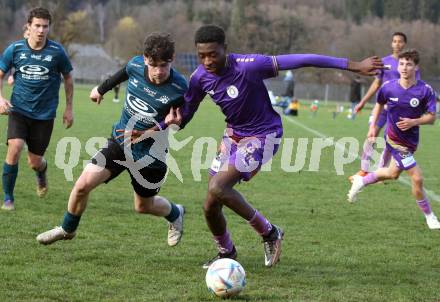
[(378, 249)]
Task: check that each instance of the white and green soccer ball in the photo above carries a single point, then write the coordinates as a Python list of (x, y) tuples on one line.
[(225, 278)]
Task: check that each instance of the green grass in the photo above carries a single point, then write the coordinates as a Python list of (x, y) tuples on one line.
[(378, 249)]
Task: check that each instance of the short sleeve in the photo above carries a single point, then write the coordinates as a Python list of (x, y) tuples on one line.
[(430, 100), (259, 66), (7, 58), (64, 65), (380, 97)]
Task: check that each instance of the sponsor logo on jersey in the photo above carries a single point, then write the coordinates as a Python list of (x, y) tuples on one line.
[(232, 91), (163, 99), (139, 106), (150, 92), (245, 60), (34, 72), (414, 102), (36, 57)]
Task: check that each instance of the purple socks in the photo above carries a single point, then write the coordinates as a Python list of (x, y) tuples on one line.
[(424, 206), (260, 224), (224, 243)]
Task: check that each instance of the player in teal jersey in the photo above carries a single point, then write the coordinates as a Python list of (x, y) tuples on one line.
[(39, 64), (153, 89)]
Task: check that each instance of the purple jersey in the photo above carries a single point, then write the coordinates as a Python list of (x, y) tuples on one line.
[(391, 72), (241, 94), (405, 103)]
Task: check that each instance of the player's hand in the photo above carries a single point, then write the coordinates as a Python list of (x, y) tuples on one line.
[(95, 96), (174, 117), (406, 123), (369, 66), (68, 118), (372, 133), (5, 106), (133, 136), (358, 107)]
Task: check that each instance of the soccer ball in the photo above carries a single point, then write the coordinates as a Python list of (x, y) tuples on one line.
[(225, 278)]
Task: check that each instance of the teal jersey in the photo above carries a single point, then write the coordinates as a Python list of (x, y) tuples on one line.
[(146, 104), (37, 77)]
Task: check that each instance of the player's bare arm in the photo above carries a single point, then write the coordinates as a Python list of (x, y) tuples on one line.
[(371, 91), (5, 105), (68, 88), (407, 123), (373, 130)]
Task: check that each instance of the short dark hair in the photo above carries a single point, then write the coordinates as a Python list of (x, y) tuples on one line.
[(410, 54), (39, 13), (159, 47), (399, 33), (209, 34)]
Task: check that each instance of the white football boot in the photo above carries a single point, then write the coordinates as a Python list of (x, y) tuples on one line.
[(356, 187), (175, 228)]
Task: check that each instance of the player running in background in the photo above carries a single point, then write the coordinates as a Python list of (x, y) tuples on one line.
[(411, 103), (153, 89), (235, 83), (39, 64), (390, 72)]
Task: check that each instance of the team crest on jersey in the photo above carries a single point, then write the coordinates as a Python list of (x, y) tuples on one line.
[(139, 106), (232, 91), (163, 99), (48, 58), (414, 102)]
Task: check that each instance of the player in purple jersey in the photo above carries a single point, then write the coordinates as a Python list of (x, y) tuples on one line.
[(253, 132), (411, 103), (390, 62)]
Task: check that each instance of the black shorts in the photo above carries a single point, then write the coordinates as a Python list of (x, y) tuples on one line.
[(36, 133), (106, 157)]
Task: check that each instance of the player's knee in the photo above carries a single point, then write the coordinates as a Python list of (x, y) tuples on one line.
[(82, 188), (394, 175), (417, 180), (145, 206), (216, 190)]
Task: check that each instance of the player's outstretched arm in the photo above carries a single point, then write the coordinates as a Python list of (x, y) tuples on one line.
[(371, 91), (68, 112), (368, 66), (97, 93)]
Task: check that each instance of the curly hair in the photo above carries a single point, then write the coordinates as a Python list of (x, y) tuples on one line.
[(410, 54), (39, 13), (159, 47), (399, 33), (209, 34)]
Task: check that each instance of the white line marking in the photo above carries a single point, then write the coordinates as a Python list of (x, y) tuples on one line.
[(401, 179)]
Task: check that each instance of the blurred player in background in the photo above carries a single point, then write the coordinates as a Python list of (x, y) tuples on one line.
[(39, 64), (411, 103), (390, 72)]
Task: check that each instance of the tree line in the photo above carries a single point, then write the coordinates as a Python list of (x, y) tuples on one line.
[(353, 28)]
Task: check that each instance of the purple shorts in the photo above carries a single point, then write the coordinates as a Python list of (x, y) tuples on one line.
[(246, 154), (403, 157), (381, 120)]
